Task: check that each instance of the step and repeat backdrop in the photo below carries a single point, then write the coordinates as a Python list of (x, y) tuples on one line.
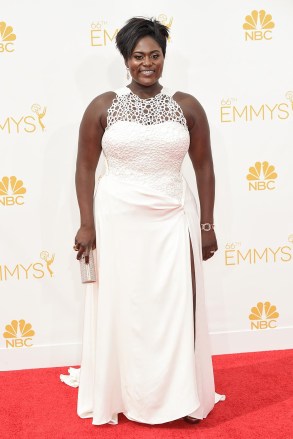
[(235, 58)]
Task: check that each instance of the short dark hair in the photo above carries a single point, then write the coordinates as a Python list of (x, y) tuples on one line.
[(137, 28)]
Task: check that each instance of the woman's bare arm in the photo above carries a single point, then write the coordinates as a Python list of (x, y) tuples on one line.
[(91, 131), (201, 157), (89, 151)]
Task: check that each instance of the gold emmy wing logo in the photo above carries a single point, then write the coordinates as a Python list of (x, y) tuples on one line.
[(258, 26), (18, 334), (165, 21), (36, 108), (11, 191), (231, 111), (263, 316), (7, 37), (48, 260), (32, 270), (28, 123), (261, 176), (235, 254), (289, 96)]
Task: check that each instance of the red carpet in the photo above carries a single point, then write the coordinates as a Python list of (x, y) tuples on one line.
[(35, 404)]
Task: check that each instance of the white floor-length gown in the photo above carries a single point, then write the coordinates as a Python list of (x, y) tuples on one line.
[(139, 356)]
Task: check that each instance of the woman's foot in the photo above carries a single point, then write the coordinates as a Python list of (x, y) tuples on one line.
[(191, 420)]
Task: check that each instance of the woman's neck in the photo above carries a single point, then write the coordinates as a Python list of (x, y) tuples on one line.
[(145, 91)]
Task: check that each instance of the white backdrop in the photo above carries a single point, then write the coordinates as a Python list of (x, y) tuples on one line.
[(55, 58)]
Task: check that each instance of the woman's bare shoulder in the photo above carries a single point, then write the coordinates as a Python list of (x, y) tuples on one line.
[(96, 111), (187, 99), (191, 107), (103, 100)]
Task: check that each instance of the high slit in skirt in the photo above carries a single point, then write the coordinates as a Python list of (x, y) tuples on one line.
[(143, 354)]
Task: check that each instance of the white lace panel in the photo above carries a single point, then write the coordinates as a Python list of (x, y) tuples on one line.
[(146, 141), (131, 108)]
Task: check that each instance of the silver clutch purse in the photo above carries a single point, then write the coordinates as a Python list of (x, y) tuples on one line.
[(87, 271)]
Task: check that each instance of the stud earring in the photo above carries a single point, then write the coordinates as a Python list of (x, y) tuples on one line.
[(127, 75)]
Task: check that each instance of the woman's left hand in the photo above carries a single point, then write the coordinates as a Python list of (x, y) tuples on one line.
[(209, 244)]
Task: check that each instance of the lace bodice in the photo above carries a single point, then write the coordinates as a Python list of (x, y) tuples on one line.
[(146, 141)]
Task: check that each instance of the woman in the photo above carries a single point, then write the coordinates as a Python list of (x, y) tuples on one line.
[(145, 341)]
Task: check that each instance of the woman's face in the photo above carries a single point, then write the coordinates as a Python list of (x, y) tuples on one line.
[(146, 62)]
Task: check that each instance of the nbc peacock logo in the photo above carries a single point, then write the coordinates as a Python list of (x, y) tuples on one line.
[(11, 191), (263, 316), (7, 38), (18, 334), (261, 176), (258, 26)]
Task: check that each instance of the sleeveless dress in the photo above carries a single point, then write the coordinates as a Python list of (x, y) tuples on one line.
[(142, 354)]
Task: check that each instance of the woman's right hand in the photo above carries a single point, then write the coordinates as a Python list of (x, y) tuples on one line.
[(85, 240)]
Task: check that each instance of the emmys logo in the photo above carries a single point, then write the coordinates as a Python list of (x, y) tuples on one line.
[(28, 123), (34, 270), (11, 191), (236, 255), (258, 26), (263, 316), (18, 334), (7, 37), (261, 176), (101, 35), (231, 111)]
